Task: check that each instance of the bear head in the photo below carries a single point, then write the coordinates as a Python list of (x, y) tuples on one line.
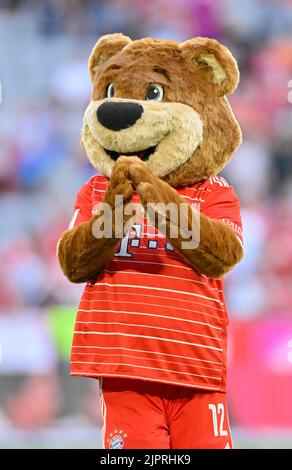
[(164, 102)]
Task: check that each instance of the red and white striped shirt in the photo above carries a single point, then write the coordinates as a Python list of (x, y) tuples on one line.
[(149, 315)]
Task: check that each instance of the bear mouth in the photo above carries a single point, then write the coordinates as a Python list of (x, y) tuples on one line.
[(142, 154)]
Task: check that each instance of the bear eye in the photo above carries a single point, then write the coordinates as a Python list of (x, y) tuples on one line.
[(110, 91), (154, 93)]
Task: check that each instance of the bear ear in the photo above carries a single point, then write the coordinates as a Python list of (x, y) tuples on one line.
[(106, 47), (216, 60)]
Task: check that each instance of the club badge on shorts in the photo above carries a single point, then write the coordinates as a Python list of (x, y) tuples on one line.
[(116, 439)]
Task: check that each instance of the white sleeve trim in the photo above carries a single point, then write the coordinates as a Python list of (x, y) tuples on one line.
[(72, 223)]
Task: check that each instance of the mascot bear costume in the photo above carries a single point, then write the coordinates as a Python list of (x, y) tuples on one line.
[(151, 324)]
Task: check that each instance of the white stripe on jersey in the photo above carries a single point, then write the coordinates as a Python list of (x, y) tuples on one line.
[(219, 180), (138, 302), (99, 190), (151, 315), (197, 199), (144, 367), (160, 275), (149, 295), (146, 326), (103, 412), (92, 374), (156, 288), (147, 359), (148, 352), (116, 333), (73, 220)]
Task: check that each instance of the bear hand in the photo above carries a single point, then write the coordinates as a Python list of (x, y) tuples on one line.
[(120, 184), (150, 188)]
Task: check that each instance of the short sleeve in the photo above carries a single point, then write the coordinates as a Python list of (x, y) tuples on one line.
[(82, 206), (223, 204)]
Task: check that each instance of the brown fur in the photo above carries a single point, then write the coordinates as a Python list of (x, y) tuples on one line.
[(105, 48), (81, 255), (137, 65), (198, 50), (219, 248), (197, 73)]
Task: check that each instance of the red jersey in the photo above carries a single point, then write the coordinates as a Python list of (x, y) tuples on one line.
[(149, 315)]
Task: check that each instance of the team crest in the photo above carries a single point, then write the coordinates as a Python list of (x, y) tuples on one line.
[(116, 439)]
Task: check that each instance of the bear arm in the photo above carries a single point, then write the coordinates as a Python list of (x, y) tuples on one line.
[(218, 251), (219, 248), (82, 255)]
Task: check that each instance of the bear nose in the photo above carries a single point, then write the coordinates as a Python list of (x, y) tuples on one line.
[(117, 116)]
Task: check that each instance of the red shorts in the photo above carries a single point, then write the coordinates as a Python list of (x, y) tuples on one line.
[(148, 415)]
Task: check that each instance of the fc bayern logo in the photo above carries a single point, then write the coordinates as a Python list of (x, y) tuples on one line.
[(116, 439)]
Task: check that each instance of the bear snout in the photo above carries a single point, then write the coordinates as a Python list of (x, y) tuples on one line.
[(117, 116)]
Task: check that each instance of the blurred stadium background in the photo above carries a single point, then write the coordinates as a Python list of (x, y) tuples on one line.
[(44, 45)]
